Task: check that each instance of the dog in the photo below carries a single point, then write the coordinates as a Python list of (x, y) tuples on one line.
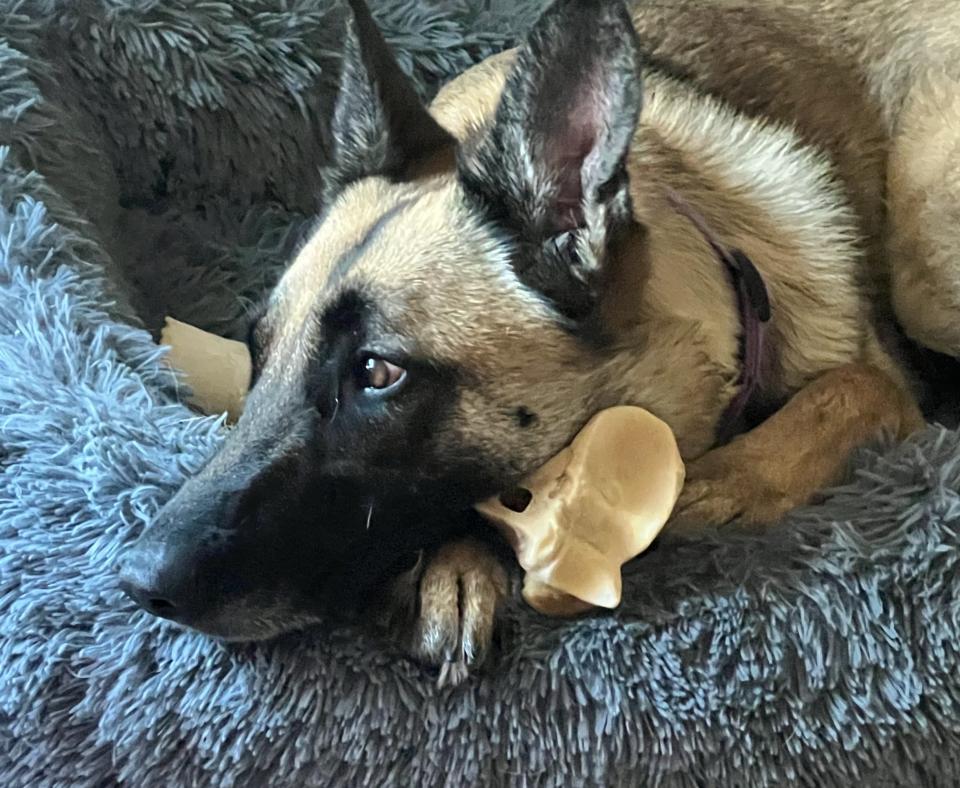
[(741, 216)]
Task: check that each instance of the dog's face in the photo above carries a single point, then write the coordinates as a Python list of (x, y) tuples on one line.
[(436, 338), (451, 374), (445, 306)]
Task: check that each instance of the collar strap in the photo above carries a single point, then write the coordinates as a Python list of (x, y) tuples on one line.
[(753, 305)]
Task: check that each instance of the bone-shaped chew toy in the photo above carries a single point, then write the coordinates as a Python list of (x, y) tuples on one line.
[(573, 523), (590, 509)]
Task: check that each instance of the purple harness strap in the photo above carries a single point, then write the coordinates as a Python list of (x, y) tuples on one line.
[(753, 304)]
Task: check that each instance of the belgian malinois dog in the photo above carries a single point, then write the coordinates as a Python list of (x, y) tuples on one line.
[(739, 215)]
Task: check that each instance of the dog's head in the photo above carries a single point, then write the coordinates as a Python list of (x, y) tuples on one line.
[(437, 338)]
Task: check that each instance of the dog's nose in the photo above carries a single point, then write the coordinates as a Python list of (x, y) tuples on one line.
[(146, 577), (149, 599)]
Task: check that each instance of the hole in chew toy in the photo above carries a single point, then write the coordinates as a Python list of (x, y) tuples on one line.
[(593, 506), (517, 500)]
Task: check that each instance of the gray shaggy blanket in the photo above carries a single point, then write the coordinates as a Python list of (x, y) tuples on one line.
[(161, 157)]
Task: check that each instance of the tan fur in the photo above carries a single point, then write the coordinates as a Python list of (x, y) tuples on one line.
[(843, 409), (924, 229), (874, 82), (826, 112)]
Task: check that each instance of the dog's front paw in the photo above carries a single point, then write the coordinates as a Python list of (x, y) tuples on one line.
[(444, 610), (724, 486)]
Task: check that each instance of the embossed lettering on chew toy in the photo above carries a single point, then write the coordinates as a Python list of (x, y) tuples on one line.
[(593, 507), (216, 369)]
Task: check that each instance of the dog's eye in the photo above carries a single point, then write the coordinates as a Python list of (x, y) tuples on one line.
[(378, 374)]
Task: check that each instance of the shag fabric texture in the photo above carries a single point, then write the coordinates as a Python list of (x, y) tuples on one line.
[(162, 157)]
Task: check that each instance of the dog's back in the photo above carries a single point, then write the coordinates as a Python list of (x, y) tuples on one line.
[(875, 83)]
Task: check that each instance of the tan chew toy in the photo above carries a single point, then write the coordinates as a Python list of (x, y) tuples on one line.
[(590, 509), (216, 369)]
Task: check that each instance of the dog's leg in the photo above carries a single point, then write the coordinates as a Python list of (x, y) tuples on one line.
[(923, 192), (443, 610), (802, 448)]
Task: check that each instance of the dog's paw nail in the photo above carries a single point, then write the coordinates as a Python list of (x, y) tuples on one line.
[(452, 674)]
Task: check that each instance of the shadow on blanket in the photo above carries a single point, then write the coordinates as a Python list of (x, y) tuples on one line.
[(162, 158)]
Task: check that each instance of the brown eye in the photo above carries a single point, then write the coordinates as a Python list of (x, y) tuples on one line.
[(379, 374)]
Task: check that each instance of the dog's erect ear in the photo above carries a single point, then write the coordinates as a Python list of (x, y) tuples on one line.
[(380, 126), (551, 167)]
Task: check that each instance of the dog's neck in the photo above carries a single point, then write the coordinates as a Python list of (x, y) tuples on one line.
[(669, 352)]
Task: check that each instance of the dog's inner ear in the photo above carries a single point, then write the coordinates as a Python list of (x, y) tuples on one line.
[(380, 126), (552, 165)]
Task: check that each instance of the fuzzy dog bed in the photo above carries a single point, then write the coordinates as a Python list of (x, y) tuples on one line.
[(163, 157)]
